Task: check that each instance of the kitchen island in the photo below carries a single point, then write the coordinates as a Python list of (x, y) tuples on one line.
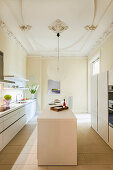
[(57, 138)]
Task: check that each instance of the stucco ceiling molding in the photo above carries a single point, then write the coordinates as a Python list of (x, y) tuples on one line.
[(105, 11), (11, 35), (16, 18), (103, 37), (93, 20), (86, 32), (79, 44)]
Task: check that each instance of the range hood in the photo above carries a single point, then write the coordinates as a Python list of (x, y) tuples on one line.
[(2, 80)]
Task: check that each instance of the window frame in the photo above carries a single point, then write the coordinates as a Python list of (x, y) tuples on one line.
[(96, 60)]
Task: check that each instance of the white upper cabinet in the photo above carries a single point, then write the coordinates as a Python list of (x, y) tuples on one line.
[(103, 105), (110, 75), (94, 100)]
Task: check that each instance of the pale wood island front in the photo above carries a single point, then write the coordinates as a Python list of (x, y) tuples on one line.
[(57, 138)]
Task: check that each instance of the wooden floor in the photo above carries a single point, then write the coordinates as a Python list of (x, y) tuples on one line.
[(93, 152)]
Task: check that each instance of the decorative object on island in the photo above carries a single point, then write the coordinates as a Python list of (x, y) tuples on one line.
[(7, 99), (58, 108), (33, 88), (64, 104)]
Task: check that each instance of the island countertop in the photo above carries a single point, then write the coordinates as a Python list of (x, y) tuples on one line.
[(50, 114)]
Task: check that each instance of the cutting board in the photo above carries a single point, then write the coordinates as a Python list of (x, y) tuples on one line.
[(58, 108)]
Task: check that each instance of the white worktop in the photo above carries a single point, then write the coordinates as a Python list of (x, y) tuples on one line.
[(50, 114), (15, 106)]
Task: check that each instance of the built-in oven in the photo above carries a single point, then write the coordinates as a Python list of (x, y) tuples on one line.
[(110, 105), (111, 117)]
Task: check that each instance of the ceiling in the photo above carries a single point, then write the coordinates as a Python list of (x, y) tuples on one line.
[(75, 41)]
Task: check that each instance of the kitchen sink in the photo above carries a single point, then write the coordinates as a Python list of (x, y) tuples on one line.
[(22, 101)]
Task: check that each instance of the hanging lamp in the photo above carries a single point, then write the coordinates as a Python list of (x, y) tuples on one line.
[(57, 27), (23, 27)]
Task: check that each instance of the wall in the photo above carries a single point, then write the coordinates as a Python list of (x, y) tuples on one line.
[(14, 63), (106, 62), (34, 75), (106, 54), (73, 72), (14, 56)]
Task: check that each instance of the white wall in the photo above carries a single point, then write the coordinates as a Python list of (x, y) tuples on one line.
[(14, 56), (106, 59), (14, 62), (73, 79), (106, 54)]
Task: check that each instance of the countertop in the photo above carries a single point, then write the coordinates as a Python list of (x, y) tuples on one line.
[(50, 114), (15, 106)]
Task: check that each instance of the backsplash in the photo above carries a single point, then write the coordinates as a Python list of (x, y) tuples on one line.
[(16, 94)]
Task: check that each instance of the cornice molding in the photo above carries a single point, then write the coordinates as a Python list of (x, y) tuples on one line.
[(102, 39), (55, 57), (11, 36)]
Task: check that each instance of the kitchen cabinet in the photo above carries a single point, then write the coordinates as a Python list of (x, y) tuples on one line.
[(103, 105), (30, 110), (110, 76), (103, 85), (94, 102), (12, 122), (1, 142), (1, 127), (22, 122), (57, 138), (111, 137)]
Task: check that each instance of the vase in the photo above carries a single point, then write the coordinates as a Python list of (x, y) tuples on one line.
[(33, 96), (7, 102)]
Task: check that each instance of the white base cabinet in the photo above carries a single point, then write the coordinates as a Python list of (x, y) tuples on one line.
[(99, 104), (30, 110), (14, 121), (110, 75), (94, 100), (111, 137), (57, 138), (1, 142), (103, 106), (104, 87)]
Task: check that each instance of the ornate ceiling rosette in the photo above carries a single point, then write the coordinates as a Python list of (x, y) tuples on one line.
[(58, 26)]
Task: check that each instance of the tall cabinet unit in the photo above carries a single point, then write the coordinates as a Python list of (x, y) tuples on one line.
[(110, 107), (110, 76), (94, 102), (103, 105)]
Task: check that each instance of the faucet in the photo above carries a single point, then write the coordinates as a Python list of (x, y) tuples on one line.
[(17, 97)]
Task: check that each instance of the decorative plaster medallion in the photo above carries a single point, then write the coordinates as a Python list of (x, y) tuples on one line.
[(90, 28), (25, 27), (58, 26)]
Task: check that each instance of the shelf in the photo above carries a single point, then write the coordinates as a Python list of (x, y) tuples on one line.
[(110, 109), (23, 88), (14, 78), (111, 125)]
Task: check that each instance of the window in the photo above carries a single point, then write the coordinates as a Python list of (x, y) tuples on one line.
[(96, 66)]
